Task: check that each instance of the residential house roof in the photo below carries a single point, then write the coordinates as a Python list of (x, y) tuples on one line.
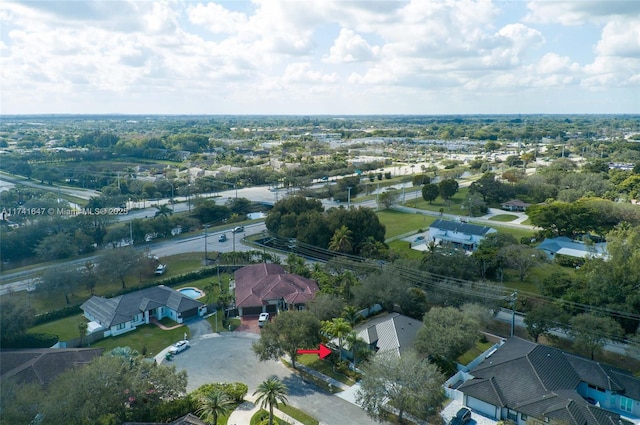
[(42, 365), (266, 281), (121, 309), (392, 332), (541, 381), (566, 246), (454, 226), (515, 203)]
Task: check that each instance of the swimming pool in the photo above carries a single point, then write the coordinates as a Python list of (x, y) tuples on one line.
[(194, 293)]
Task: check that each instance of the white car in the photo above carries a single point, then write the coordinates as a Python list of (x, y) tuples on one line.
[(179, 346), (238, 229), (264, 318), (161, 269)]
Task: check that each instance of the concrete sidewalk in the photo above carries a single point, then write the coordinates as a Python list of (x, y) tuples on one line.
[(243, 413)]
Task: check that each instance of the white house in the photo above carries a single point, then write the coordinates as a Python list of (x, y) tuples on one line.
[(460, 235), (125, 312)]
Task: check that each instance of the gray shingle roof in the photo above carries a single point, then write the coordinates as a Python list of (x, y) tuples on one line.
[(43, 365), (121, 309), (542, 381), (469, 229)]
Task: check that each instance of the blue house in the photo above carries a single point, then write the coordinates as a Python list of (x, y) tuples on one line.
[(565, 246)]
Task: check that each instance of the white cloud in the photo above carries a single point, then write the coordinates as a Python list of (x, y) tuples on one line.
[(351, 47), (284, 56), (572, 12)]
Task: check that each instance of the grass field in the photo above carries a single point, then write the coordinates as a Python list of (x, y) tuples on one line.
[(66, 328), (473, 352), (398, 223), (324, 367), (150, 337), (297, 414), (503, 217)]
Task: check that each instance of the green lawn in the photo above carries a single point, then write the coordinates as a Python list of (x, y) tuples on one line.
[(473, 352), (398, 223), (149, 336), (66, 328), (297, 414), (323, 366), (503, 217)]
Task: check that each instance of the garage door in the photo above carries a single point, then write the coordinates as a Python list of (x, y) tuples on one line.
[(189, 313), (482, 407)]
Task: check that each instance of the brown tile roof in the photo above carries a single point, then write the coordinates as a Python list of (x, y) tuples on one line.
[(266, 281)]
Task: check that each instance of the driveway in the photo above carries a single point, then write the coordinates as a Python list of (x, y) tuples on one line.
[(228, 357)]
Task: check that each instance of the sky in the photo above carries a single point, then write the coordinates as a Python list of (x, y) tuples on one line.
[(330, 57)]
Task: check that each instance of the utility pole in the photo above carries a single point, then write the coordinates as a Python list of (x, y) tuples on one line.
[(349, 197), (514, 298), (131, 232)]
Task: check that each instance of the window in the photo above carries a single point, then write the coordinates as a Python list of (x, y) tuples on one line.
[(523, 416), (121, 326), (512, 415), (626, 404)]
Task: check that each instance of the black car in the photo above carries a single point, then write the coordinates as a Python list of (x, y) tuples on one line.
[(462, 417)]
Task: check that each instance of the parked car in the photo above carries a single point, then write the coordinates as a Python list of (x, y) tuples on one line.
[(161, 269), (238, 229), (179, 346), (462, 417), (263, 319), (222, 238)]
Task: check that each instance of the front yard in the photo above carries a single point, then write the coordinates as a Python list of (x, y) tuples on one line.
[(148, 340)]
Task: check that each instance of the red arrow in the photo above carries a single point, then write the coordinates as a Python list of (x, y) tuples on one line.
[(322, 351)]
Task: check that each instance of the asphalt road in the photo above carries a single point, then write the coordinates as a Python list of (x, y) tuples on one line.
[(228, 357)]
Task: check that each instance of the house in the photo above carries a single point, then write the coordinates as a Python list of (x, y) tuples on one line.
[(267, 287), (460, 235), (515, 205), (42, 365), (392, 332), (125, 312), (564, 246), (530, 383)]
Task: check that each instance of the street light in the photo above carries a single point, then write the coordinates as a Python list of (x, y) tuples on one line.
[(349, 197)]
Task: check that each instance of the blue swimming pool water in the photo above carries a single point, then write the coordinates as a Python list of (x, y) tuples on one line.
[(191, 292)]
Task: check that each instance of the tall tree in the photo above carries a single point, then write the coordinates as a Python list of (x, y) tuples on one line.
[(342, 240), (212, 405), (447, 333), (430, 192), (16, 317), (337, 328), (118, 263), (271, 393), (591, 332), (521, 258), (388, 198), (447, 188), (543, 318), (289, 331), (409, 383), (61, 280)]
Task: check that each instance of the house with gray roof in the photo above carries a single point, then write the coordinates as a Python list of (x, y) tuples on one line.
[(527, 382), (458, 234), (125, 312), (389, 333), (565, 246), (42, 365)]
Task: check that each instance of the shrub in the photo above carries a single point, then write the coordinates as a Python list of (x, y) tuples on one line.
[(57, 314)]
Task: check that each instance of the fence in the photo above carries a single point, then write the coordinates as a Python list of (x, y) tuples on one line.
[(81, 342)]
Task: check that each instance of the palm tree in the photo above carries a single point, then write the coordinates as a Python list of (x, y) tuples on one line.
[(351, 315), (213, 405), (338, 328), (272, 392), (162, 210), (342, 240)]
